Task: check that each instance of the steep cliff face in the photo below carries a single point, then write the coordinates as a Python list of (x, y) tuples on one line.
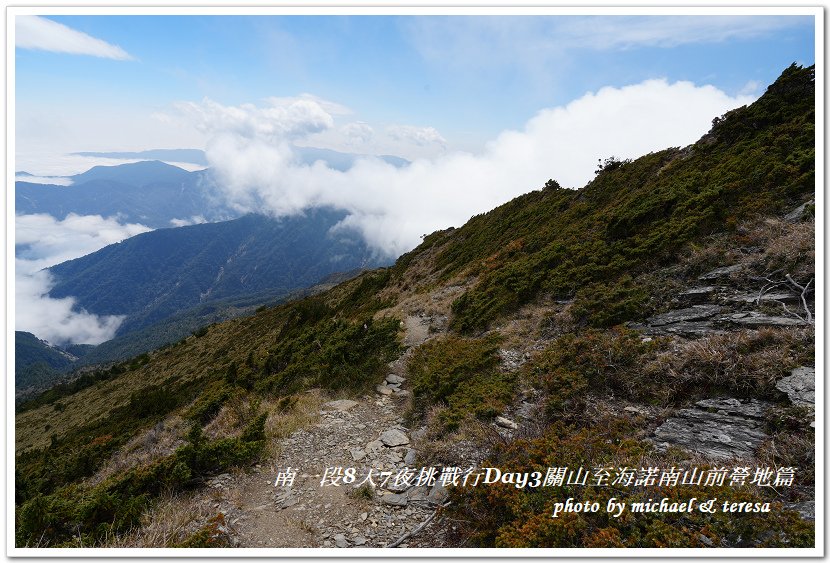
[(566, 330)]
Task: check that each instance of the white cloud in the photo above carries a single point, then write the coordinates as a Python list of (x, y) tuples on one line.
[(42, 241), (279, 118), (357, 133), (330, 107), (194, 220), (392, 207), (35, 32), (421, 136), (56, 320), (52, 180)]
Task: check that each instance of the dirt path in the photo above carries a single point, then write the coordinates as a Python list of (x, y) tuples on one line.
[(365, 434)]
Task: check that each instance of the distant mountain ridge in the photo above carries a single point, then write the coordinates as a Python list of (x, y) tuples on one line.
[(152, 193), (136, 173), (308, 155), (154, 275)]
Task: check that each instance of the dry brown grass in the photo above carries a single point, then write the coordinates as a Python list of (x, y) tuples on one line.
[(280, 424), (170, 522), (234, 416), (746, 362), (152, 444), (761, 246), (790, 449)]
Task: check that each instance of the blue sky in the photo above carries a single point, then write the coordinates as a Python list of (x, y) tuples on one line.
[(467, 77)]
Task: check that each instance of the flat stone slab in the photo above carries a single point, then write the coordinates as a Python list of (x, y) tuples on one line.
[(384, 390), (342, 405), (392, 378), (735, 407), (689, 329), (760, 319), (393, 438), (694, 313), (720, 273), (800, 386), (719, 429), (785, 296), (395, 499)]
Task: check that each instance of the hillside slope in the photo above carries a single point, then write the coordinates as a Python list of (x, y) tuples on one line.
[(563, 330), (155, 275)]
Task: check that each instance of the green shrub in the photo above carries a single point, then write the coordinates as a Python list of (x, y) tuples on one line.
[(461, 374)]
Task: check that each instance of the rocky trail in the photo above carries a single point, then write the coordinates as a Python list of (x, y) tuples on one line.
[(282, 503)]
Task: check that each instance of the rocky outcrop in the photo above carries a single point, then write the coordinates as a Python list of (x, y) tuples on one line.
[(719, 429), (800, 386)]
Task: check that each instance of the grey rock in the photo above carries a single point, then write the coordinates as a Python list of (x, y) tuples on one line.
[(340, 541), (506, 423), (720, 273), (360, 540), (394, 386), (635, 410), (800, 386), (342, 405), (732, 431), (401, 393), (392, 378), (511, 359), (694, 313), (409, 458), (287, 501), (357, 454), (395, 499), (797, 213), (785, 296), (394, 437), (696, 295), (418, 494), (687, 329), (391, 485), (374, 446), (525, 410), (383, 390), (753, 319), (806, 509), (438, 494), (735, 407)]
